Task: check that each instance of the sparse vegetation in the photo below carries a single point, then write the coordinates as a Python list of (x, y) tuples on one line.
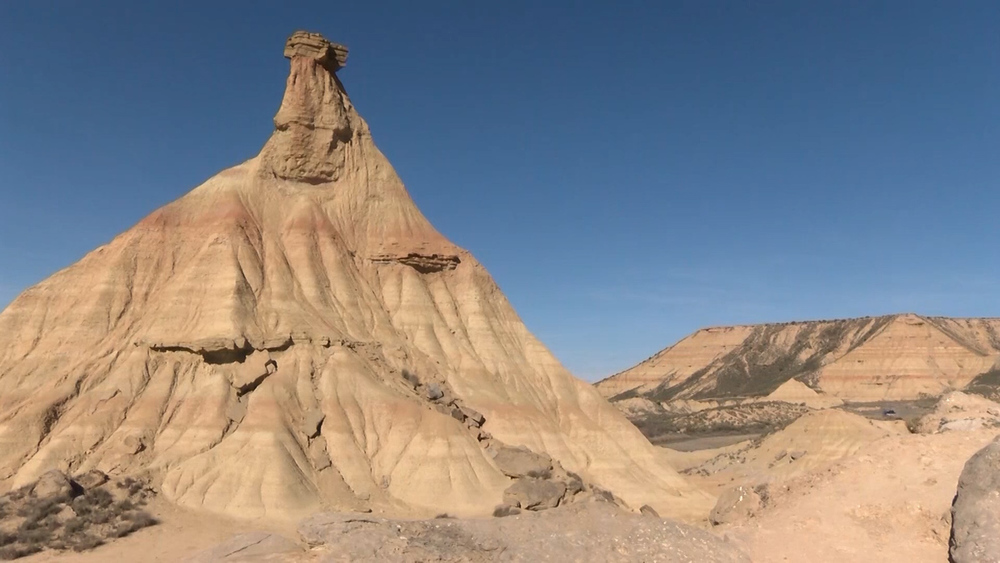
[(748, 418), (29, 524), (411, 377), (986, 385)]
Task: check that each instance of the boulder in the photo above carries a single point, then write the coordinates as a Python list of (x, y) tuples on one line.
[(975, 513), (312, 423), (434, 392), (735, 504), (54, 484), (474, 416), (522, 462), (91, 479), (574, 485), (534, 494), (134, 444)]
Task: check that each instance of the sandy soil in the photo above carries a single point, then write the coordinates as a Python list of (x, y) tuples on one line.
[(693, 444), (889, 502)]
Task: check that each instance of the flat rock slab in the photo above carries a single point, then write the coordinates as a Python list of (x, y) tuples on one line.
[(534, 494), (521, 462), (578, 532), (250, 547)]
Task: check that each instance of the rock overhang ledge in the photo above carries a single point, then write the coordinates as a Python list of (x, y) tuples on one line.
[(333, 56)]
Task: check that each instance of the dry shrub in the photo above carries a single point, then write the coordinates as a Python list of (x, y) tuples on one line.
[(99, 517), (411, 377), (543, 474), (85, 542), (17, 551)]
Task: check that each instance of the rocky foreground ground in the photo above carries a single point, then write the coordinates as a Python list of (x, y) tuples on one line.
[(832, 486), (594, 531)]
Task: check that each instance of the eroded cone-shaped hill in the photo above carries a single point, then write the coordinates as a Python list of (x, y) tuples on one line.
[(246, 345), (866, 359)]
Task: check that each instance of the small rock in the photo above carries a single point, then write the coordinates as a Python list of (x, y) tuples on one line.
[(519, 462), (574, 485), (734, 505), (797, 454), (505, 510), (312, 423), (647, 510), (474, 416), (134, 444), (434, 392)]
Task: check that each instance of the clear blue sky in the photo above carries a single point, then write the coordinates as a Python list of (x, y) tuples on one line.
[(627, 172)]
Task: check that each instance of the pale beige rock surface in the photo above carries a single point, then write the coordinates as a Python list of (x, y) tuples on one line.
[(959, 411), (889, 501), (902, 357), (245, 347)]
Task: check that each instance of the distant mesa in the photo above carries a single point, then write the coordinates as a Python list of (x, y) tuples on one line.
[(894, 357)]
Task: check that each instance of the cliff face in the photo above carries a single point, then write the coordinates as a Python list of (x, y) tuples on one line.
[(282, 339), (891, 357)]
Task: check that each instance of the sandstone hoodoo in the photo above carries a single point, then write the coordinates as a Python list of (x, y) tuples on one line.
[(293, 336)]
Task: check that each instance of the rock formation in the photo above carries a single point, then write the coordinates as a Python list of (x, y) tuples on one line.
[(975, 514), (293, 335), (874, 358), (959, 411)]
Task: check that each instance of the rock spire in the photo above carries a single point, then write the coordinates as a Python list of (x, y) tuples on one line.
[(293, 335), (333, 56), (316, 120)]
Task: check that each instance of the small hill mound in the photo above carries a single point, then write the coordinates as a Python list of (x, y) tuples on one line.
[(794, 391), (816, 440)]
